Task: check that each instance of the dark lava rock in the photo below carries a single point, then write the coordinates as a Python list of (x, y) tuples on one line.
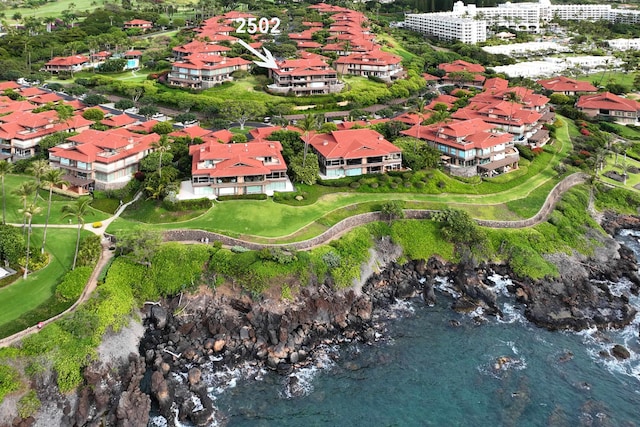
[(620, 352)]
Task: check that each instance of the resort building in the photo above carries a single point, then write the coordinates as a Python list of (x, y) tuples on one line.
[(21, 131), (624, 44), (608, 106), (70, 64), (229, 169), (470, 147), (354, 152), (101, 159), (383, 65), (567, 86), (139, 24), (304, 77), (203, 71)]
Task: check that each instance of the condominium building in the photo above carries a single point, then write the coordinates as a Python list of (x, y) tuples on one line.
[(468, 23), (203, 71), (304, 77), (446, 26)]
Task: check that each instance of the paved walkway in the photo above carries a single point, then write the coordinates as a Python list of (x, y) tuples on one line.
[(92, 283)]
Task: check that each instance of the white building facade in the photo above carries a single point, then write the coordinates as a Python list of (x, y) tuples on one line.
[(469, 23)]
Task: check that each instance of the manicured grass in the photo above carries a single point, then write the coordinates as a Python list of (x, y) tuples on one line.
[(153, 212), (361, 83), (237, 129), (241, 90), (14, 204), (620, 77), (26, 295), (391, 45), (52, 9), (633, 179), (627, 132)]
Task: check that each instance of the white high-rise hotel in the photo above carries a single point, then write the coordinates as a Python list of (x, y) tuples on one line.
[(469, 23)]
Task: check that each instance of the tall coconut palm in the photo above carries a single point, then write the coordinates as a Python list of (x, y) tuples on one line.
[(161, 146), (419, 110), (78, 210), (54, 179), (307, 125), (28, 213), (38, 168), (512, 98), (5, 169), (24, 191)]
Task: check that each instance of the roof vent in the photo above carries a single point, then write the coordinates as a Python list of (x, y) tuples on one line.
[(325, 142)]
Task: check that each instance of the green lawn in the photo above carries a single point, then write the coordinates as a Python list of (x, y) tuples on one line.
[(14, 204), (627, 132), (391, 45), (52, 9), (25, 295), (242, 90), (633, 179), (361, 83), (621, 77)]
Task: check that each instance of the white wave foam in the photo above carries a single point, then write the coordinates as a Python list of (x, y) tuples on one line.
[(510, 314), (500, 284), (323, 360), (444, 285), (627, 232)]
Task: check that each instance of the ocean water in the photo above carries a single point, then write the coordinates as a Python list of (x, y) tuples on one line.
[(435, 367)]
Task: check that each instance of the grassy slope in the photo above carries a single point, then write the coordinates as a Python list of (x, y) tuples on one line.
[(14, 204), (25, 295)]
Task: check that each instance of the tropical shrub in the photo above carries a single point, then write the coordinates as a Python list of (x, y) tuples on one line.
[(73, 284)]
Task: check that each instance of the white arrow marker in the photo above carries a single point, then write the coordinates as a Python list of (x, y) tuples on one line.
[(266, 60)]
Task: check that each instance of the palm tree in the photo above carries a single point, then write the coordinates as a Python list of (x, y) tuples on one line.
[(5, 169), (28, 213), (49, 21), (54, 179), (513, 98), (24, 191), (420, 106), (308, 124), (77, 210), (38, 168), (161, 146)]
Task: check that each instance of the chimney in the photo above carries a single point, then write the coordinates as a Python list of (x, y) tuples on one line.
[(325, 142)]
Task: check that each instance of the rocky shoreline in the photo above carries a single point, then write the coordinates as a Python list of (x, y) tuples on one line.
[(187, 336)]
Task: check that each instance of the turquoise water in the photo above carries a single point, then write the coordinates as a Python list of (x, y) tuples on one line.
[(425, 371)]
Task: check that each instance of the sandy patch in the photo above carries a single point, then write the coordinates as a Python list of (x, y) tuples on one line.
[(115, 347)]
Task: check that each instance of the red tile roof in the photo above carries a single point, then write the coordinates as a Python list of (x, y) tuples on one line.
[(67, 61), (118, 121), (104, 146), (45, 98), (460, 65), (352, 144), (375, 57), (495, 84), (231, 160), (8, 85), (564, 84), (607, 101), (464, 134), (191, 132)]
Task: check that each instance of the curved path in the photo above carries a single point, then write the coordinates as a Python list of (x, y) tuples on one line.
[(105, 257), (332, 233)]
